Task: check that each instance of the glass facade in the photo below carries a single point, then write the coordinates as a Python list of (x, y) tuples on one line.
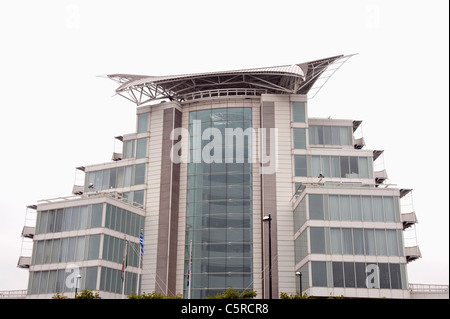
[(219, 209), (116, 177), (330, 135)]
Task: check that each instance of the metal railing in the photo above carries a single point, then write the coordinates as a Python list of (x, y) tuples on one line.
[(218, 93), (428, 288), (13, 294)]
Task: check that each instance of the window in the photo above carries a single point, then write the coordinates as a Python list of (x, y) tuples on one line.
[(316, 207), (301, 165), (299, 138), (142, 123), (319, 273), (317, 236), (330, 135), (298, 112)]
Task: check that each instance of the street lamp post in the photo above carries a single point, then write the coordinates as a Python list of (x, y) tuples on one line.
[(76, 285), (299, 274), (269, 219)]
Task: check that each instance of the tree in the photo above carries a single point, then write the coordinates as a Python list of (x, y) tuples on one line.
[(284, 295), (154, 295), (87, 294)]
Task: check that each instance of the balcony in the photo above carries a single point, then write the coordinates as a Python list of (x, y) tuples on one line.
[(408, 219), (380, 176), (28, 231), (412, 253), (24, 262), (359, 143)]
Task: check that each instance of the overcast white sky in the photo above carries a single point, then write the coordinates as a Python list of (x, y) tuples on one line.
[(56, 114)]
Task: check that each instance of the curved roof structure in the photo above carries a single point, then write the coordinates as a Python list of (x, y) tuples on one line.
[(286, 79)]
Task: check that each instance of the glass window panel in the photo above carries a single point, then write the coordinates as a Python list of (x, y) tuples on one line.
[(64, 249), (60, 280), (333, 201), (369, 241), (112, 177), (312, 135), (91, 278), (56, 250), (72, 249), (347, 241), (349, 275), (316, 206), (299, 138), (141, 148), (51, 221), (363, 167), (47, 251), (360, 270), (389, 209), (120, 177), (378, 215), (336, 247), (300, 165), (83, 217), (316, 170), (139, 174), (74, 223), (319, 135), (326, 170), (358, 241), (142, 123), (335, 135), (80, 248), (367, 208), (345, 135), (319, 273), (105, 179), (43, 222), (345, 170), (338, 274), (384, 276), (327, 135), (96, 218), (392, 246), (354, 173), (380, 236), (43, 282), (59, 219), (396, 278), (128, 176), (128, 148), (298, 112), (94, 247), (356, 208), (345, 207), (317, 236), (335, 166)]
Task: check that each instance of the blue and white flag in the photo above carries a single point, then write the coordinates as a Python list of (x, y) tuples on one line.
[(141, 242)]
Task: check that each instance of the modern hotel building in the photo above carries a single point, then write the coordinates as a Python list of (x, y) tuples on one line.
[(336, 227)]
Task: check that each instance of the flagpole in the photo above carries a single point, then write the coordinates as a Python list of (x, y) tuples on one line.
[(124, 268), (141, 251), (190, 270)]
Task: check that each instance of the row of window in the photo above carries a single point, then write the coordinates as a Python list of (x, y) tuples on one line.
[(69, 218), (80, 248), (221, 114), (236, 192), (348, 208), (333, 166), (219, 168), (89, 216), (136, 148), (115, 177), (67, 249), (350, 241), (330, 135), (204, 208), (358, 275), (235, 250), (123, 220), (64, 281)]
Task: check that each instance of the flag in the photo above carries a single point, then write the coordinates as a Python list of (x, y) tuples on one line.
[(141, 242)]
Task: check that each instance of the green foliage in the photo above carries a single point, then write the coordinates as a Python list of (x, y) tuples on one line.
[(154, 295), (87, 294), (284, 295), (59, 296), (230, 293)]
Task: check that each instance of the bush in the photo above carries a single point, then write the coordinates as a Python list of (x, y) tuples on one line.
[(154, 295), (230, 293), (87, 294), (284, 295)]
